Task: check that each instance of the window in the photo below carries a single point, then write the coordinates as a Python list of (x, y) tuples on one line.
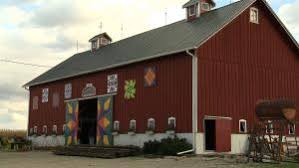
[(55, 100), (269, 127), (151, 124), (45, 95), (292, 129), (132, 126), (205, 6), (35, 129), (68, 91), (94, 44), (242, 126), (45, 129), (30, 131), (104, 41), (63, 128), (254, 15), (35, 103), (54, 129), (171, 123), (192, 10), (116, 126)]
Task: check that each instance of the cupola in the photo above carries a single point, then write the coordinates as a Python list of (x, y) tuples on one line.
[(99, 41), (195, 8)]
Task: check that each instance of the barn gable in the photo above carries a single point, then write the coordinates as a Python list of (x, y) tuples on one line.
[(244, 63)]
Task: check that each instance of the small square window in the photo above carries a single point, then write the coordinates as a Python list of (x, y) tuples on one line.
[(292, 129), (94, 44), (254, 15), (192, 10), (132, 126), (116, 126), (151, 124), (205, 6), (171, 123), (242, 126), (269, 127)]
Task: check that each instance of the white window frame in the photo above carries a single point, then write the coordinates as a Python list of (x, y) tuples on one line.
[(271, 129), (63, 128), (94, 44), (31, 131), (189, 10), (45, 129), (151, 123), (35, 129), (245, 127), (116, 125), (54, 129), (45, 95), (252, 12), (68, 89), (294, 127), (204, 4), (132, 125), (169, 121)]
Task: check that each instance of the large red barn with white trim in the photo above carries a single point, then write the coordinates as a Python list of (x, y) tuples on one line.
[(200, 77)]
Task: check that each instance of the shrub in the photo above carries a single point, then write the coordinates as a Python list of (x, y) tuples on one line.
[(151, 147), (167, 146)]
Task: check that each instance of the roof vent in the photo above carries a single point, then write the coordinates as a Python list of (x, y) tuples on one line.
[(197, 7), (99, 41)]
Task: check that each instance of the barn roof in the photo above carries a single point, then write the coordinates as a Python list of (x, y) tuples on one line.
[(170, 39)]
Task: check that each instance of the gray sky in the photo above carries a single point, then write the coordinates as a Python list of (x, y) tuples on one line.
[(46, 32)]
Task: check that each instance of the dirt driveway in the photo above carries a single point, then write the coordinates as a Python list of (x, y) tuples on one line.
[(48, 160)]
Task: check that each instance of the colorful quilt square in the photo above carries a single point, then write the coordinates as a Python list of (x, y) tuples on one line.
[(150, 78)]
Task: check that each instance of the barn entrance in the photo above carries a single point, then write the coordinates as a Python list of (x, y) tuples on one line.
[(217, 133), (87, 121), (91, 117), (210, 134)]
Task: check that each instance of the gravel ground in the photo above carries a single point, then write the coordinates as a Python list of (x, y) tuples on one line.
[(48, 160)]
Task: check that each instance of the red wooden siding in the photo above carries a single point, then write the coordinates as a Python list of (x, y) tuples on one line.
[(171, 97), (244, 63)]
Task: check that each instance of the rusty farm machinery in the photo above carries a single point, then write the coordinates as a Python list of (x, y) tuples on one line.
[(273, 136)]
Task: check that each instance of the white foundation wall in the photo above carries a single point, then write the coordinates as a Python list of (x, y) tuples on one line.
[(47, 141), (139, 139), (239, 143)]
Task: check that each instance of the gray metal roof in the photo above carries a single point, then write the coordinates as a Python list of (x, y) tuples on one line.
[(173, 38)]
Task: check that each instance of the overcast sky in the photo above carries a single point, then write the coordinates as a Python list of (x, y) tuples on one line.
[(46, 32)]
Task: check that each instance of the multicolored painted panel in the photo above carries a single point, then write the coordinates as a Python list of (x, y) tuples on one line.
[(150, 77), (105, 124), (71, 130)]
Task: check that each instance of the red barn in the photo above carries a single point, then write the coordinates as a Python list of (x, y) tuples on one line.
[(200, 78)]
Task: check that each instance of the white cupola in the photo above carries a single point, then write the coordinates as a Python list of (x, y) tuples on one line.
[(99, 41), (195, 8)]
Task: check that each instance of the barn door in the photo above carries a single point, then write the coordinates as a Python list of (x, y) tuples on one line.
[(104, 118), (71, 129), (223, 135)]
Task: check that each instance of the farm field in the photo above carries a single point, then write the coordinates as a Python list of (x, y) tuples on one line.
[(48, 160)]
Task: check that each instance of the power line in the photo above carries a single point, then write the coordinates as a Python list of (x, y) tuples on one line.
[(24, 63)]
